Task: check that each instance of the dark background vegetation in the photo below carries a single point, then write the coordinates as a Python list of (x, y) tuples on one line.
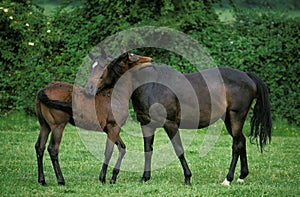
[(39, 46)]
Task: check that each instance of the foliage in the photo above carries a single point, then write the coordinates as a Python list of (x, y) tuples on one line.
[(268, 44), (21, 50), (37, 48), (287, 4)]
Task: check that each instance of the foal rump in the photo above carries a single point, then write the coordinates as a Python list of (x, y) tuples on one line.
[(55, 104), (64, 104)]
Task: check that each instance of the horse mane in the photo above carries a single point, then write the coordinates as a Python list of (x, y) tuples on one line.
[(156, 68)]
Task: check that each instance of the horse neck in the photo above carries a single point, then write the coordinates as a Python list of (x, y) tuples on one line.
[(129, 81)]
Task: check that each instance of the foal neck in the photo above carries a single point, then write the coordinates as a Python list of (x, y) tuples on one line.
[(105, 92)]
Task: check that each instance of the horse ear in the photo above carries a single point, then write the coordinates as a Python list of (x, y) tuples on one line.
[(91, 56), (124, 56), (102, 52)]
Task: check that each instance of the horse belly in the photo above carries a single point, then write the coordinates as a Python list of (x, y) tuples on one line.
[(208, 110)]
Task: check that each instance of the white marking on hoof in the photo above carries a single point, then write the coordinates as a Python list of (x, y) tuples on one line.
[(226, 182), (240, 180)]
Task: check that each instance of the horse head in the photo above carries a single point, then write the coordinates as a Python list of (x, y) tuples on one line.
[(102, 76)]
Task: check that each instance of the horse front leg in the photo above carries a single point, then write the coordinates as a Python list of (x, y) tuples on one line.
[(173, 134), (53, 149), (122, 151), (40, 148), (148, 135)]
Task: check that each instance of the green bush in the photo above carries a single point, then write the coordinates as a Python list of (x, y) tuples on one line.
[(268, 44), (22, 28), (37, 48)]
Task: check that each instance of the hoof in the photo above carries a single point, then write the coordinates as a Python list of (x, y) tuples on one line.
[(42, 182), (240, 180), (103, 182), (226, 183), (145, 179), (112, 181), (61, 183), (188, 182)]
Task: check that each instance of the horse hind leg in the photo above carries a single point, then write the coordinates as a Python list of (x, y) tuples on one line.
[(122, 151), (234, 123), (244, 163), (53, 149)]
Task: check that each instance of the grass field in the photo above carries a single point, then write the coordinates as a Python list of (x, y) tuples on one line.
[(273, 173)]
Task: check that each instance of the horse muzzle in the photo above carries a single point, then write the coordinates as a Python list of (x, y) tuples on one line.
[(90, 89)]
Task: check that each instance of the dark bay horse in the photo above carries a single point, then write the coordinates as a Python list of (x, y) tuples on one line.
[(60, 103), (209, 95)]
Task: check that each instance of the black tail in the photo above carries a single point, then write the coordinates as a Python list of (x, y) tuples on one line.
[(55, 104), (261, 122)]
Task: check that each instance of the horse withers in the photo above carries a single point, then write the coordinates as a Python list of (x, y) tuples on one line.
[(217, 93), (60, 103)]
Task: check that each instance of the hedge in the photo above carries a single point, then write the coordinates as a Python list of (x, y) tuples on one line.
[(37, 48)]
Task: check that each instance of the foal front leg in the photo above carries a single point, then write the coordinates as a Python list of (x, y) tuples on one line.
[(107, 155), (112, 137), (122, 151)]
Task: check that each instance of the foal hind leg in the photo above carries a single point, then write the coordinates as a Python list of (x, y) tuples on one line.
[(234, 125), (122, 151), (173, 133), (53, 149), (40, 148)]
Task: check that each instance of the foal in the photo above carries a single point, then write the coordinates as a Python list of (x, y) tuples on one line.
[(60, 103)]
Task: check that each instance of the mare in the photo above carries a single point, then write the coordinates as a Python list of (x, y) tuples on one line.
[(212, 94), (60, 103)]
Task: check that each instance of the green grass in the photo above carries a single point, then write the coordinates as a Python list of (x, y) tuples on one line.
[(273, 173)]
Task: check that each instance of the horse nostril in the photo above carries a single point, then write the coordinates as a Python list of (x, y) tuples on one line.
[(89, 88)]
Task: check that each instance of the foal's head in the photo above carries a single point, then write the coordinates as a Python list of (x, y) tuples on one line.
[(103, 76), (96, 69)]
